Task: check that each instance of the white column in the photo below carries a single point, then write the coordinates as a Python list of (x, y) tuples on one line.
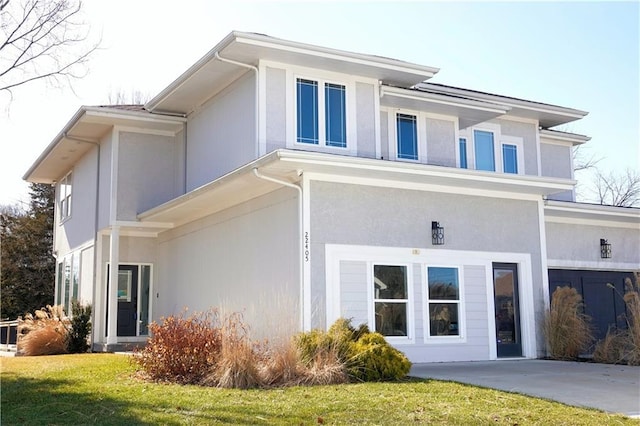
[(114, 249)]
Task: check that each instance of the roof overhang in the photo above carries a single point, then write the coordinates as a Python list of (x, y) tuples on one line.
[(469, 111), (547, 115), (569, 211), (242, 185), (208, 76), (86, 129), (566, 137)]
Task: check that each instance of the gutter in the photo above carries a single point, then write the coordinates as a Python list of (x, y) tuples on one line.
[(257, 174)]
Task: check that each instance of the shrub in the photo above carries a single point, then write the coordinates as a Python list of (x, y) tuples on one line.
[(46, 333), (80, 328), (281, 365), (377, 360), (565, 327), (181, 349), (623, 346)]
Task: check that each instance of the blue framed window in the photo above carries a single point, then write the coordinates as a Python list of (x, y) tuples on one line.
[(463, 152), (307, 111), (484, 150), (335, 115), (510, 158), (407, 134)]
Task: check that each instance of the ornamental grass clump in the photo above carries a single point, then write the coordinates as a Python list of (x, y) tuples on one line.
[(44, 333), (566, 327), (182, 349)]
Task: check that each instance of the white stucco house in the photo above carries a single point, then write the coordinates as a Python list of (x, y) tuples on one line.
[(300, 183)]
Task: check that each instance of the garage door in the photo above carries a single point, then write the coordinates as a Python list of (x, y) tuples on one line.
[(601, 302)]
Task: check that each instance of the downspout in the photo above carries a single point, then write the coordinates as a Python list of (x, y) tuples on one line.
[(95, 221), (300, 237), (257, 92)]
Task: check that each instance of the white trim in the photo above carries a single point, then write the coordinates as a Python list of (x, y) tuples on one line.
[(600, 265), (543, 255), (147, 131), (462, 317), (410, 338), (421, 134), (262, 108), (545, 141), (376, 118), (518, 142), (306, 303), (591, 222), (539, 151), (113, 199)]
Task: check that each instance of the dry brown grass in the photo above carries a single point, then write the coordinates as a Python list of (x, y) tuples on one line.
[(326, 369), (623, 346), (281, 364), (566, 328), (44, 333)]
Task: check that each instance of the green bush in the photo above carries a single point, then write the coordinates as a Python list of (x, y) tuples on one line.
[(377, 360), (77, 338)]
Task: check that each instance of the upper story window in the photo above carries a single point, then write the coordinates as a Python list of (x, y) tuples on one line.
[(490, 150), (321, 116), (462, 145), (407, 136), (484, 150), (509, 158), (391, 300), (64, 200)]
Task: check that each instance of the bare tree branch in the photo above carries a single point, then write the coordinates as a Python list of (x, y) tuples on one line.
[(617, 189), (583, 160), (42, 40)]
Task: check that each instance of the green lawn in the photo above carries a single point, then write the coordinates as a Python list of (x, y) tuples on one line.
[(102, 389)]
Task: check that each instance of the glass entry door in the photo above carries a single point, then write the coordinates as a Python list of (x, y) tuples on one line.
[(507, 309)]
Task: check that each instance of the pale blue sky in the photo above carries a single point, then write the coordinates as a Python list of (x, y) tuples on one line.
[(579, 55)]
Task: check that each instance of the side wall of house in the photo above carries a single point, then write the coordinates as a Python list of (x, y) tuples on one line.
[(242, 259), (556, 161), (222, 136), (385, 220)]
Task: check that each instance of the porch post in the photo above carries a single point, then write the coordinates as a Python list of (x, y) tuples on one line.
[(114, 249)]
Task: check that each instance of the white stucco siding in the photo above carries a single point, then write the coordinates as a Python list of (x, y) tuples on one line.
[(104, 190), (276, 108), (441, 144), (365, 119), (556, 161), (528, 132), (86, 275), (578, 245), (384, 135), (222, 135), (243, 259), (148, 172)]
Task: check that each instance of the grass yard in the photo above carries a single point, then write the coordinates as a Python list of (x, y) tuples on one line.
[(102, 389)]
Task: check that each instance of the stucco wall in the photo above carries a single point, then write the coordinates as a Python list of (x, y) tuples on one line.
[(527, 131), (244, 259), (441, 144), (222, 136), (104, 202), (365, 117), (276, 110), (149, 172)]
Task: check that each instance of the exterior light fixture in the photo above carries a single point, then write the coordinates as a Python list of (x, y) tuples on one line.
[(605, 249), (437, 234)]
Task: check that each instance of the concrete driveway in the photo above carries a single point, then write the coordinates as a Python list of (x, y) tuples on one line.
[(612, 388)]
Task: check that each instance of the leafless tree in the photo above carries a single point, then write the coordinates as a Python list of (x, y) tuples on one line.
[(42, 40), (617, 189), (119, 97), (582, 160)]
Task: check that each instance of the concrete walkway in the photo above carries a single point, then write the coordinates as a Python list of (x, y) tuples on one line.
[(612, 388)]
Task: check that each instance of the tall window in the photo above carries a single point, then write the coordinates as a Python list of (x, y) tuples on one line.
[(316, 124), (443, 301), (65, 197), (509, 158), (484, 150), (407, 136), (462, 145), (390, 298)]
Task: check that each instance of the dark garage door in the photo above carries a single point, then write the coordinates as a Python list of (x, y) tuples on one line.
[(603, 304)]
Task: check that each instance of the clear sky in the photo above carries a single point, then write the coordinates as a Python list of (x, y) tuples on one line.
[(581, 55)]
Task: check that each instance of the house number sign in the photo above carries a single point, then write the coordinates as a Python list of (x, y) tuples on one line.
[(306, 246)]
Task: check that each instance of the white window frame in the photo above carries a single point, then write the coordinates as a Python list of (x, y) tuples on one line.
[(462, 320), (409, 338), (421, 119), (322, 80), (498, 140), (64, 196)]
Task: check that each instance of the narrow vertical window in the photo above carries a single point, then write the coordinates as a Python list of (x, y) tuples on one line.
[(307, 111), (145, 287), (390, 299), (65, 197), (75, 276), (444, 301), (463, 153), (59, 300), (335, 115), (484, 150), (509, 158), (407, 134)]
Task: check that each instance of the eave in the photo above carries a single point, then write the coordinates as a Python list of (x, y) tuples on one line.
[(572, 138), (208, 76), (565, 211), (241, 185), (85, 130)]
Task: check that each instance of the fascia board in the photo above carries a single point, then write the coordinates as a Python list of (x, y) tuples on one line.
[(118, 114), (444, 99), (574, 138), (595, 211)]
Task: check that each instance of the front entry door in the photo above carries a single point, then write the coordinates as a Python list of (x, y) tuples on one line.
[(507, 309), (127, 300)]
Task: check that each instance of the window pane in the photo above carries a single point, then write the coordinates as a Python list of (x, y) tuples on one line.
[(75, 275), (407, 137), (67, 284), (485, 159), (463, 153), (510, 158), (124, 285), (307, 105), (145, 287), (335, 115), (443, 319), (443, 283), (59, 300), (390, 282), (391, 319)]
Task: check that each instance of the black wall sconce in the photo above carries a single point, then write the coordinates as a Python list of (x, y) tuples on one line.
[(605, 249), (437, 234)]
